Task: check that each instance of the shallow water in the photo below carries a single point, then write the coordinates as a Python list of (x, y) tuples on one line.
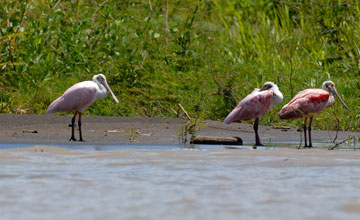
[(172, 182)]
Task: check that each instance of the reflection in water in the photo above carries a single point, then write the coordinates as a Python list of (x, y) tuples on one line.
[(167, 182)]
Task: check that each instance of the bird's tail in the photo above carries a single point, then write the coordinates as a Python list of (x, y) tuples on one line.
[(289, 113), (53, 107), (233, 116), (50, 110)]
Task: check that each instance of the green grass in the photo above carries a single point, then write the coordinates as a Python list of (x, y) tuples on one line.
[(218, 52)]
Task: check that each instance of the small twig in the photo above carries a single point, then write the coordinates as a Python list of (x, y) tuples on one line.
[(337, 144), (175, 112), (182, 108), (150, 5)]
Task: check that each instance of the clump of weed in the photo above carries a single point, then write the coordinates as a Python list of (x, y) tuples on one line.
[(189, 130), (132, 134)]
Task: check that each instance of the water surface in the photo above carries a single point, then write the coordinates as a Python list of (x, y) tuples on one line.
[(173, 182)]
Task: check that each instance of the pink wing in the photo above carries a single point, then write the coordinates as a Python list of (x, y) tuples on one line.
[(252, 106), (305, 102), (78, 97)]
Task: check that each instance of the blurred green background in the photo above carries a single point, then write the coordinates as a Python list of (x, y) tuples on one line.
[(206, 55)]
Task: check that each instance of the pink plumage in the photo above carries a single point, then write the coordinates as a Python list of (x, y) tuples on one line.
[(80, 96), (255, 105), (76, 98), (309, 101)]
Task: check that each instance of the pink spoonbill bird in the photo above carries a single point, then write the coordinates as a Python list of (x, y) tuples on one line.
[(256, 105), (80, 96), (309, 102)]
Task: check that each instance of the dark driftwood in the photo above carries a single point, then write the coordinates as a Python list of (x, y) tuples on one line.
[(217, 140)]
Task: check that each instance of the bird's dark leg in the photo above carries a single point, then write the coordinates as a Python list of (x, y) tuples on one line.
[(73, 127), (79, 123), (310, 141), (305, 132), (257, 139)]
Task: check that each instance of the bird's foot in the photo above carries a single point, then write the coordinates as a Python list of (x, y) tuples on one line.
[(258, 145), (72, 139), (82, 140)]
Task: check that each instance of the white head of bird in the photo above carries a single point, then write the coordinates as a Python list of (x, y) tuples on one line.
[(104, 88), (278, 96), (330, 87)]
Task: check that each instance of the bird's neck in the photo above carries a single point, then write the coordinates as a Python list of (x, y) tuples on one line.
[(330, 101), (277, 97), (102, 91)]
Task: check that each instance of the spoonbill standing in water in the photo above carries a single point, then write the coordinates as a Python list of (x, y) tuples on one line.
[(80, 96), (256, 105), (309, 102)]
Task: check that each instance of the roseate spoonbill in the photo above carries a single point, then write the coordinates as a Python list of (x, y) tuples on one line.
[(80, 96), (309, 102), (256, 105)]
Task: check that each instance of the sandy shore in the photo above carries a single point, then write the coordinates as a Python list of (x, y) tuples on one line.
[(52, 129)]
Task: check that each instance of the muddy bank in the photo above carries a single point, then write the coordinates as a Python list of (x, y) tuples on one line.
[(53, 129)]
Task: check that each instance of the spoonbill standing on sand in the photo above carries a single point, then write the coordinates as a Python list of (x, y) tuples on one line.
[(256, 105), (80, 96), (309, 102)]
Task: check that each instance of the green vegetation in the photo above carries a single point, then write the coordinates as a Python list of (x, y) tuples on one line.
[(211, 54)]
